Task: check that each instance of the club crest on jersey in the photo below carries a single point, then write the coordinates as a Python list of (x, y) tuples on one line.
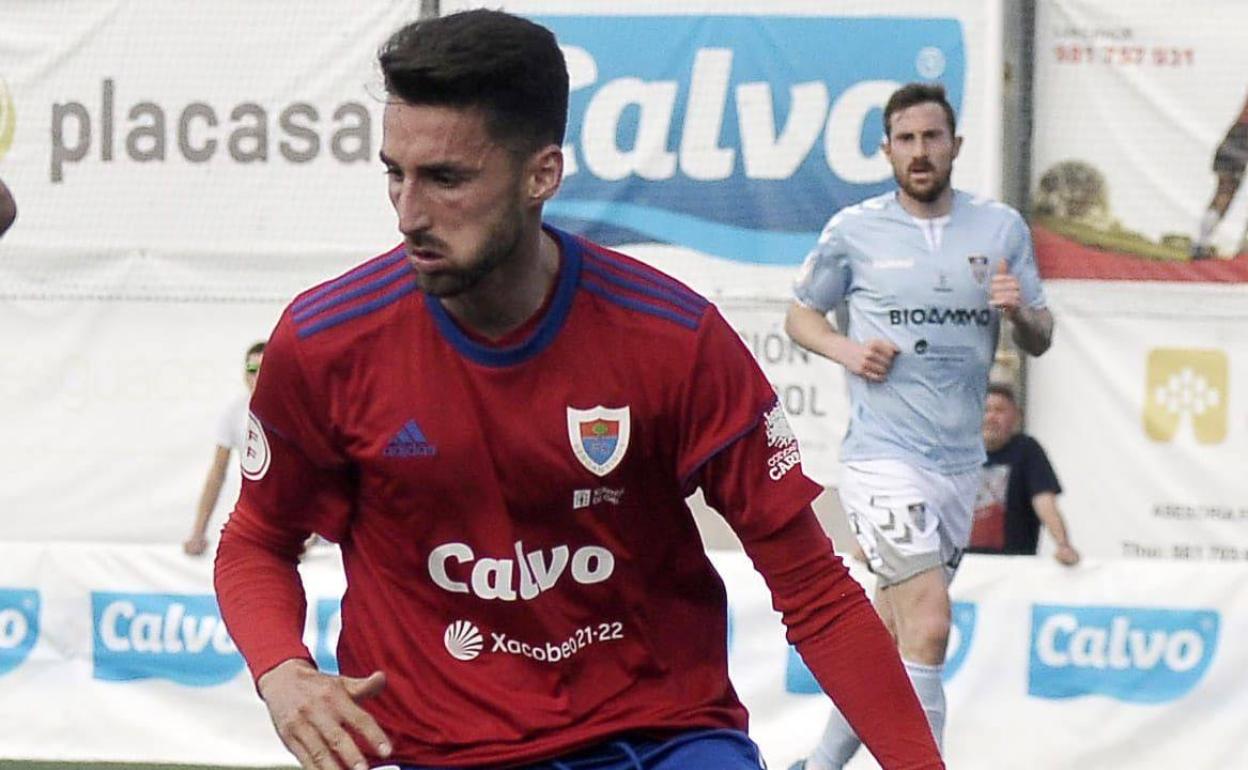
[(979, 267), (599, 437)]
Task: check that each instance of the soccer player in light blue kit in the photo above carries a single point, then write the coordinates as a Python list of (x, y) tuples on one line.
[(926, 273)]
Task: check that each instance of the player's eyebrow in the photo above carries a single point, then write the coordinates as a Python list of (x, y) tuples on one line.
[(441, 167)]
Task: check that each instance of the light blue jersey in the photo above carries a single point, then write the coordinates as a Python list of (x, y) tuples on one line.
[(923, 285)]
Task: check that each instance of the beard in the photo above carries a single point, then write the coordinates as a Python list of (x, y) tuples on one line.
[(500, 242), (929, 192)]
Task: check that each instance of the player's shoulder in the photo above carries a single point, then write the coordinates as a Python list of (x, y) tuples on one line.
[(873, 209), (639, 292), (990, 208), (355, 301)]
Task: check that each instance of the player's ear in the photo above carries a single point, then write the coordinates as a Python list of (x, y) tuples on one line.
[(544, 173), (957, 147)]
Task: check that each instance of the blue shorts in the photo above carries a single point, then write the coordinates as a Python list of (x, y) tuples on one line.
[(697, 750)]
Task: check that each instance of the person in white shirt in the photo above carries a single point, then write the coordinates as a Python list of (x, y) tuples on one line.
[(231, 437)]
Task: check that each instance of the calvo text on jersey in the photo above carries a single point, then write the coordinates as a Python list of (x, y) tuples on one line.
[(523, 577)]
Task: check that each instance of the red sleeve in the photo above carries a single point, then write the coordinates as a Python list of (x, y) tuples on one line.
[(756, 483), (294, 483), (725, 396), (844, 643)]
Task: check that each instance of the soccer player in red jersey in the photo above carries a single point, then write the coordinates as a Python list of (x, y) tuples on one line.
[(500, 423)]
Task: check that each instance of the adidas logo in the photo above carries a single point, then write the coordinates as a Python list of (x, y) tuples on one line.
[(410, 441)]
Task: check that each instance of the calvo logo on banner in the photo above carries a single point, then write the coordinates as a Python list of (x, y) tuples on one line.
[(725, 144), (1132, 654), (177, 637), (19, 626)]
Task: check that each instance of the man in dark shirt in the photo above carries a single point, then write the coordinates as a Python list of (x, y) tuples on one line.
[(1019, 490)]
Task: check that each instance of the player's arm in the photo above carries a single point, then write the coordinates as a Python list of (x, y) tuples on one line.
[(812, 330), (1045, 505), (843, 642), (8, 208), (828, 616), (1015, 290), (1033, 329), (296, 485), (197, 543), (262, 601), (736, 445), (821, 285)]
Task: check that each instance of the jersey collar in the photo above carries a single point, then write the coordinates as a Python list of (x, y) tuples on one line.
[(541, 336)]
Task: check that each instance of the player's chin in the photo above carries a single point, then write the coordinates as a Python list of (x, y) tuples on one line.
[(441, 285), (925, 192)]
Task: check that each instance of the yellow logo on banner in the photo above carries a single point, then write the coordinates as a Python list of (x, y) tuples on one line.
[(8, 118), (1185, 382)]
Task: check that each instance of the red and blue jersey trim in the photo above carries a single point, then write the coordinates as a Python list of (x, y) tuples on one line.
[(638, 287), (547, 329), (373, 285)]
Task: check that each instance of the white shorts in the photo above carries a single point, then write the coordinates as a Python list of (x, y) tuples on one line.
[(908, 520)]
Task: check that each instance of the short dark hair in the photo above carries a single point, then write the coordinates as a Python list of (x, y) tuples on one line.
[(1002, 390), (918, 93), (509, 67), (256, 349)]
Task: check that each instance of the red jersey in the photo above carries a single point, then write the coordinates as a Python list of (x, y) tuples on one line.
[(520, 560)]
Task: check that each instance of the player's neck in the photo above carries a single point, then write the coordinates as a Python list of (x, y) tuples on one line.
[(510, 295), (924, 209)]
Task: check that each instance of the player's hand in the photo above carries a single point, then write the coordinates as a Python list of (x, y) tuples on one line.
[(1004, 291), (871, 360), (1067, 555), (195, 545), (318, 717)]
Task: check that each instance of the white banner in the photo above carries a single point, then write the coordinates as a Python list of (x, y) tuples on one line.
[(117, 653), (216, 149), (1142, 405)]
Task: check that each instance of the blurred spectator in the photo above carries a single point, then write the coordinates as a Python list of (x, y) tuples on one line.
[(1019, 490), (8, 208), (231, 436)]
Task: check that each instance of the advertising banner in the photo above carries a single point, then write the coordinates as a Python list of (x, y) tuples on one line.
[(1140, 140), (1142, 406), (1139, 148), (1133, 664), (721, 157), (218, 150)]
